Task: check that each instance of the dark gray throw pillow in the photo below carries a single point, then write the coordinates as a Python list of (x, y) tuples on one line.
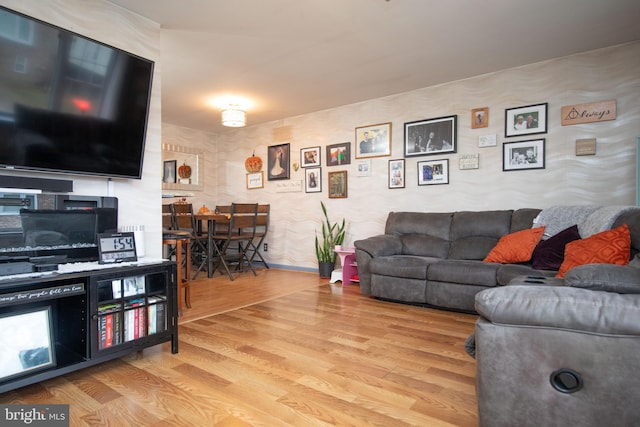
[(549, 254)]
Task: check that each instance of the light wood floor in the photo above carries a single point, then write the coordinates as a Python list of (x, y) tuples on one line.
[(219, 294), (306, 353)]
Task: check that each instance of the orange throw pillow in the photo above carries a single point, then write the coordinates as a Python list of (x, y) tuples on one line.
[(607, 247), (516, 247)]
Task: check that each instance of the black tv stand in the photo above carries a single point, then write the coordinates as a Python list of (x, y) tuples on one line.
[(93, 316)]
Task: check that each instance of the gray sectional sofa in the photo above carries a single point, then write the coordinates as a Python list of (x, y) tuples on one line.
[(435, 259), (549, 351)]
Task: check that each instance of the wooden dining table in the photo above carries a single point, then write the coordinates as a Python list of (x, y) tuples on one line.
[(211, 218)]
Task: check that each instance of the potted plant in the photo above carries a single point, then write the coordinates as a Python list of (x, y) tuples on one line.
[(332, 235)]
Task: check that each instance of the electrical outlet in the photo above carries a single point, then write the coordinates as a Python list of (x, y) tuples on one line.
[(265, 247)]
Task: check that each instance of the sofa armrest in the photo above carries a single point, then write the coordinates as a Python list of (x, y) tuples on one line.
[(367, 249), (382, 245), (561, 307), (605, 277)]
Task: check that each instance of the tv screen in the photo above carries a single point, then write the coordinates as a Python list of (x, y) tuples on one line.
[(68, 103)]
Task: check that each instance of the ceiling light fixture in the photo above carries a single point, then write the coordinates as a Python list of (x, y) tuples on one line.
[(234, 117)]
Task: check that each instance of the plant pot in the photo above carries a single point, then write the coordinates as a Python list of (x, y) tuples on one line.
[(325, 268)]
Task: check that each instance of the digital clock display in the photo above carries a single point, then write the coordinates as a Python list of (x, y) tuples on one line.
[(116, 247)]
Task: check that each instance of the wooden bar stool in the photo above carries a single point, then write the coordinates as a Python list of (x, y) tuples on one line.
[(181, 241)]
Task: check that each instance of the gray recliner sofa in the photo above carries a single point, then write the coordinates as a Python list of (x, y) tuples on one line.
[(435, 259), (563, 353)]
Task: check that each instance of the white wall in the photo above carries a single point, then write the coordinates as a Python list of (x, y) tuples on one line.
[(139, 200), (606, 178), (204, 143)]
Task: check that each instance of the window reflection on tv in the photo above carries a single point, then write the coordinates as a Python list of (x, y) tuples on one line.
[(69, 103)]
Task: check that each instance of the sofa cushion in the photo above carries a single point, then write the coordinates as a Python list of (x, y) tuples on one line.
[(406, 266), (607, 247), (424, 245), (429, 224), (471, 248), (452, 295), (463, 272), (399, 289), (473, 234), (515, 247), (549, 254), (632, 219), (523, 218)]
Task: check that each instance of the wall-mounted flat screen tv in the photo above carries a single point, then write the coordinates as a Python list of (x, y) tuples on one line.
[(68, 103)]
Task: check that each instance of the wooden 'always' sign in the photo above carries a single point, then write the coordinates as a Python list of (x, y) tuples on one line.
[(587, 113)]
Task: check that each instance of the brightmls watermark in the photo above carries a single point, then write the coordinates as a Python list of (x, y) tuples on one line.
[(34, 415)]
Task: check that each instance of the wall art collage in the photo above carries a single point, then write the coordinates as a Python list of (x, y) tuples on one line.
[(429, 137)]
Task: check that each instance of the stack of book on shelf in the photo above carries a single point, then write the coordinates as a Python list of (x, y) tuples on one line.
[(137, 320), (134, 319), (157, 314), (109, 324), (128, 315)]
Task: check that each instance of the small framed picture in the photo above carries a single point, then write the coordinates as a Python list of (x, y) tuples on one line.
[(278, 162), (469, 161), (363, 167), (310, 157), (396, 173), (431, 136), (313, 180), (338, 185), (480, 118), (339, 154), (432, 172), (373, 140), (28, 342), (255, 180), (527, 120), (523, 155), (169, 171)]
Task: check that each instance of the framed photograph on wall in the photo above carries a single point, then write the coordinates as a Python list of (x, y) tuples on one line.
[(339, 154), (27, 341), (169, 171), (313, 180), (432, 172), (255, 180), (338, 185), (278, 162), (527, 120), (523, 155), (363, 167), (480, 118), (310, 157), (373, 140), (431, 136), (396, 173)]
